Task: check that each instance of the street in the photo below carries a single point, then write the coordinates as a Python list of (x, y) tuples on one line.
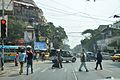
[(43, 71)]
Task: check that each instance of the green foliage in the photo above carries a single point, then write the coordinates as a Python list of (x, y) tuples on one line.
[(15, 29), (77, 49), (88, 31), (87, 44), (56, 35), (66, 47)]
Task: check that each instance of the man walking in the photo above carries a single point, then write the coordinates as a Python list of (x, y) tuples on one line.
[(29, 59), (99, 60), (22, 55), (60, 59), (2, 62), (83, 60)]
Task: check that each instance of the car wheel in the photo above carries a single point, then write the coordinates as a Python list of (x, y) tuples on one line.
[(118, 60), (73, 60), (67, 61), (113, 60)]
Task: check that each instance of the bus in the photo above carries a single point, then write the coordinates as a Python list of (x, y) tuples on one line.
[(9, 52)]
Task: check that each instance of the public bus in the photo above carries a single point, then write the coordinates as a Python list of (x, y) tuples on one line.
[(9, 52)]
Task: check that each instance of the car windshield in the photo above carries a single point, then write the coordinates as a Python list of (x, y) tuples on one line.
[(62, 39), (65, 54), (117, 54)]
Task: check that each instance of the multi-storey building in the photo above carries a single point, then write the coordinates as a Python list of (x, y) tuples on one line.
[(25, 10), (116, 25)]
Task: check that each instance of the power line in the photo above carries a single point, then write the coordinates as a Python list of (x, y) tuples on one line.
[(70, 8), (56, 9), (79, 12), (63, 18), (74, 14)]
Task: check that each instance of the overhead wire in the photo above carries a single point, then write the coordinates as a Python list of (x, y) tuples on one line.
[(89, 16), (56, 9), (68, 13), (62, 18), (70, 8)]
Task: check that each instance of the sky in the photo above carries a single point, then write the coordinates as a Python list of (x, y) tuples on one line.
[(75, 16)]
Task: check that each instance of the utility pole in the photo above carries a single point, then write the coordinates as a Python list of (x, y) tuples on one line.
[(2, 57)]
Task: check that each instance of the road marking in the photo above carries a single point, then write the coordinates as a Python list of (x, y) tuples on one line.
[(73, 71), (44, 69), (37, 69), (54, 70), (76, 69), (75, 75)]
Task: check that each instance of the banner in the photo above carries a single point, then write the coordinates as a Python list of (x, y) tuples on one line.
[(40, 46)]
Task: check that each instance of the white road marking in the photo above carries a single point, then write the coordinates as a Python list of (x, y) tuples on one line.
[(76, 69), (37, 69), (54, 70), (75, 75), (44, 69)]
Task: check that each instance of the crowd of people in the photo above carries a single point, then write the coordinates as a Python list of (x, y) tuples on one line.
[(27, 55), (57, 60), (23, 56)]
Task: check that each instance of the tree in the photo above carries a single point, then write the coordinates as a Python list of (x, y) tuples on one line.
[(77, 49), (92, 43), (66, 47), (59, 36), (56, 35), (15, 30)]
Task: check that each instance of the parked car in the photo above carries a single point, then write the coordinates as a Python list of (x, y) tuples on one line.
[(116, 57), (90, 56)]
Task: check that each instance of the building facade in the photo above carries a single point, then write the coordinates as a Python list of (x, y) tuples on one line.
[(25, 10)]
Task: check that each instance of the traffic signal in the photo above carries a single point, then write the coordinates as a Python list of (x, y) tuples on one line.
[(3, 28)]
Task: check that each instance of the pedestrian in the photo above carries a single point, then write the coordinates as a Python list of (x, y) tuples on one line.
[(60, 58), (43, 56), (83, 60), (99, 60), (22, 56), (37, 56), (29, 59), (2, 62), (16, 59)]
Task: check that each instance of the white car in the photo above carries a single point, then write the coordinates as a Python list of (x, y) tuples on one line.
[(67, 56)]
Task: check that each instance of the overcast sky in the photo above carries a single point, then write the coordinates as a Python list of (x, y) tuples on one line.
[(78, 15)]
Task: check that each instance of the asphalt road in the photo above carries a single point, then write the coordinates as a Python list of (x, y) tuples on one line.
[(43, 71)]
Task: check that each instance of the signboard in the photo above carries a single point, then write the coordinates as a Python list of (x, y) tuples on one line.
[(40, 46), (42, 38)]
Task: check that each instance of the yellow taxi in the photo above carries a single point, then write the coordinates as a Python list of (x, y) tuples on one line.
[(116, 57)]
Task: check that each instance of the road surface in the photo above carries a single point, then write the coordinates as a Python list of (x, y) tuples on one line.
[(43, 71)]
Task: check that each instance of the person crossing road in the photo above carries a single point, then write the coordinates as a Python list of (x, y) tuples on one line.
[(83, 60), (99, 60)]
